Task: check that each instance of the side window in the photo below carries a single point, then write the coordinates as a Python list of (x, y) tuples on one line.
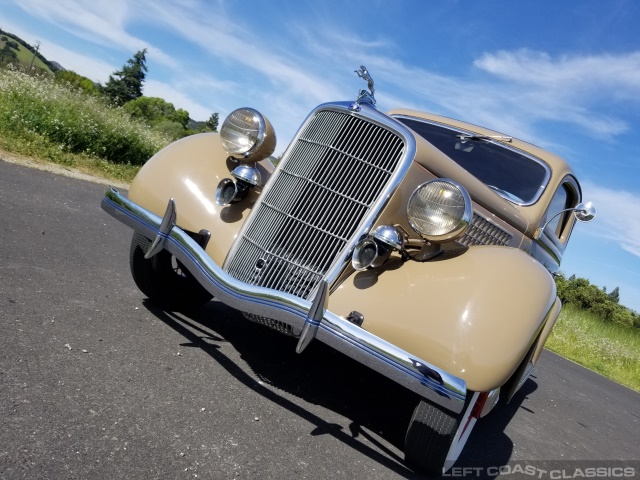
[(565, 197)]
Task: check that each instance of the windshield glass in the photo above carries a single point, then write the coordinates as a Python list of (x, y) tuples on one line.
[(517, 177)]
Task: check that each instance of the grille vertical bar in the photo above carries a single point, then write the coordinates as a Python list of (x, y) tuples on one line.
[(332, 175)]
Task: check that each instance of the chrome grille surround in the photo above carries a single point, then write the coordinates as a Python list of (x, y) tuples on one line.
[(330, 186), (483, 232)]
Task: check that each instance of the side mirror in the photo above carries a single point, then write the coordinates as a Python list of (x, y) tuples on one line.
[(584, 212)]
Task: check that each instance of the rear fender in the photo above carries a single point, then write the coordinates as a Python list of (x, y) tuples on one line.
[(189, 171), (475, 316)]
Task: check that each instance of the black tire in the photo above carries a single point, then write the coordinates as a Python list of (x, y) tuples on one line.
[(163, 279), (429, 437)]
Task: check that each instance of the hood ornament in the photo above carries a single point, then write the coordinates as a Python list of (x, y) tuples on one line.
[(364, 96)]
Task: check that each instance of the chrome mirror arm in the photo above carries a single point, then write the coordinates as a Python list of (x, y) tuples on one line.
[(584, 212)]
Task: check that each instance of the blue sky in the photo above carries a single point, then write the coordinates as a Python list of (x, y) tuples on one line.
[(563, 75)]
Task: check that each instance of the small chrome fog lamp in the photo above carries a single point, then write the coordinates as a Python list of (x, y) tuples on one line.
[(247, 174), (389, 236)]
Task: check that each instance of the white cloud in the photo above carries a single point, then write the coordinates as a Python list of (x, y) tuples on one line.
[(567, 89), (575, 74), (90, 67), (618, 218), (100, 21), (235, 44), (520, 90)]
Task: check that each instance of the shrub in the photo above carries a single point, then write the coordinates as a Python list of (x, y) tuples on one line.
[(579, 292), (154, 110), (173, 130), (72, 80)]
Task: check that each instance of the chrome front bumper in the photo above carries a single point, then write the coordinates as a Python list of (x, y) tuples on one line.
[(307, 318)]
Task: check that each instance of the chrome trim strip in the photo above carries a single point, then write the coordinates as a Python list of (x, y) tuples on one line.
[(537, 160), (413, 373), (372, 115)]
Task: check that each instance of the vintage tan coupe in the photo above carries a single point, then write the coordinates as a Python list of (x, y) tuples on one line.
[(421, 246)]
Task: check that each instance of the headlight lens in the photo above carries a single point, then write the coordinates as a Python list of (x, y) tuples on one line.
[(439, 210), (243, 131)]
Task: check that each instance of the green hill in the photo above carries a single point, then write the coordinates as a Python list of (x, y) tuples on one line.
[(24, 54)]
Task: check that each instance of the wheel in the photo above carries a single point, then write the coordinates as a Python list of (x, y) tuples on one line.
[(163, 279), (436, 436)]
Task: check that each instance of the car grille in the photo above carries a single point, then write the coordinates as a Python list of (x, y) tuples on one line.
[(277, 325), (483, 232), (328, 181)]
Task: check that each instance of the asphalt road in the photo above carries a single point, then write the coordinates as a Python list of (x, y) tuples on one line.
[(97, 383)]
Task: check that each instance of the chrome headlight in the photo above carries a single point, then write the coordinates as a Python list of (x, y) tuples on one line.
[(245, 131), (439, 210)]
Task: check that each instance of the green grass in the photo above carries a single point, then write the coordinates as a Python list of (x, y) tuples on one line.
[(41, 118), (606, 348)]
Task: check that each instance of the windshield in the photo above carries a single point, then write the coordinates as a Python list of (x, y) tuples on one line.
[(517, 177)]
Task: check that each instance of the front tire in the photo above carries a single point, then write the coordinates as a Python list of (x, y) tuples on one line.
[(436, 436), (163, 279)]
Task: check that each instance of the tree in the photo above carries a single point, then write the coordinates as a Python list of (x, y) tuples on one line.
[(212, 123), (126, 84), (614, 296), (182, 117), (8, 55)]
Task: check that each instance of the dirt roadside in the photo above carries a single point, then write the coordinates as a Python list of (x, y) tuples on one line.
[(43, 165)]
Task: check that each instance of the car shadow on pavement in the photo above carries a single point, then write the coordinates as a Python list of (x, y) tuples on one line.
[(376, 407)]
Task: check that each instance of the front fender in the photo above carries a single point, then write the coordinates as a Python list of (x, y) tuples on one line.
[(189, 171), (475, 315)]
